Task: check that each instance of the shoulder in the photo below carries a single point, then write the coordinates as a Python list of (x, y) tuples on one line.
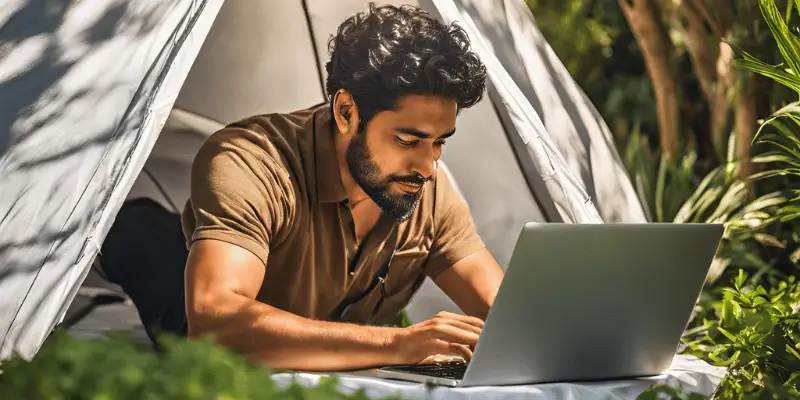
[(252, 164), (273, 144), (272, 137), (242, 152), (446, 192)]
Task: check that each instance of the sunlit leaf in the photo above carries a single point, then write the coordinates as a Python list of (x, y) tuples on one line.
[(793, 352), (741, 277), (769, 240), (788, 44), (795, 256), (733, 198), (750, 63), (765, 201), (660, 187), (731, 157), (790, 217)]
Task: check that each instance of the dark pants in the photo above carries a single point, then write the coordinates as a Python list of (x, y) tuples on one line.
[(145, 254)]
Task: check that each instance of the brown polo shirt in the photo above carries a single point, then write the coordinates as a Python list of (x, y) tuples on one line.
[(271, 185)]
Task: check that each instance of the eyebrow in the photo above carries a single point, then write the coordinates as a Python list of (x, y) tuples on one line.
[(424, 135)]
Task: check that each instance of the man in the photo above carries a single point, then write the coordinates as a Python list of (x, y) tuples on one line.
[(306, 230)]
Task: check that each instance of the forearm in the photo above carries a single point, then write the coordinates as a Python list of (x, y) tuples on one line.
[(282, 340), (472, 283)]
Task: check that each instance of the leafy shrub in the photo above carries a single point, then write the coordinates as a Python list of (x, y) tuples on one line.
[(115, 368), (661, 187), (754, 332), (752, 328)]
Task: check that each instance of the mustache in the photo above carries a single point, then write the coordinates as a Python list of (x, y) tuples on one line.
[(416, 179)]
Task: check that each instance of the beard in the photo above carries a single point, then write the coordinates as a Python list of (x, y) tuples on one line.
[(366, 173)]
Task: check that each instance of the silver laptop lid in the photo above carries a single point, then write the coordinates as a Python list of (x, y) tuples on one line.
[(588, 302)]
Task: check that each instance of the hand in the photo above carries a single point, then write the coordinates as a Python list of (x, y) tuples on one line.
[(445, 334)]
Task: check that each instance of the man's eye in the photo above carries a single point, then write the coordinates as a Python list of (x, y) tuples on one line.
[(405, 142), (441, 143)]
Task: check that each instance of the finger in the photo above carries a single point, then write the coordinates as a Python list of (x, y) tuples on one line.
[(463, 318), (429, 359), (462, 351), (453, 334), (463, 325), (436, 358), (461, 354)]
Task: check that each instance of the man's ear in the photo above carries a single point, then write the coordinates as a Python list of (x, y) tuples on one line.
[(345, 112)]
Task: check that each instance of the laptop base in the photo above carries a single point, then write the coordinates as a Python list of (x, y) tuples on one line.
[(444, 373)]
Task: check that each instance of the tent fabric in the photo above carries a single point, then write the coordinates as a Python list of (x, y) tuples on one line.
[(568, 194), (575, 127), (85, 90), (686, 372)]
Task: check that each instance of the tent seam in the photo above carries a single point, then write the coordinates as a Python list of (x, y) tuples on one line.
[(317, 61), (546, 209)]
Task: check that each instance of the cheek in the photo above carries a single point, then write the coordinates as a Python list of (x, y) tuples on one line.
[(390, 157)]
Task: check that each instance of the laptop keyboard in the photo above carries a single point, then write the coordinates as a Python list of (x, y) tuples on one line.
[(449, 369)]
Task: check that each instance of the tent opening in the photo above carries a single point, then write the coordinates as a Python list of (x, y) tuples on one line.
[(138, 86)]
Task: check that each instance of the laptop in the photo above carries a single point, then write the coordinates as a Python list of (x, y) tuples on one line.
[(585, 302)]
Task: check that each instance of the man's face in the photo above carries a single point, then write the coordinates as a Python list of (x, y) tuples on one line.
[(399, 151)]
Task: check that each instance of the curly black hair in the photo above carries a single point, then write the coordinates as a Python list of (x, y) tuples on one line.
[(380, 55)]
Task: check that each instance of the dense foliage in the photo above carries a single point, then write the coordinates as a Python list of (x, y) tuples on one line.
[(747, 316), (754, 332), (67, 368)]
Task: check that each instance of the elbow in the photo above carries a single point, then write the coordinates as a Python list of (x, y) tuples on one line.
[(226, 319), (198, 324), (196, 327), (205, 313)]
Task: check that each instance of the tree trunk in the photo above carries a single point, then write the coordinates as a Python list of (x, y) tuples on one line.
[(644, 19), (721, 106), (700, 45), (746, 124)]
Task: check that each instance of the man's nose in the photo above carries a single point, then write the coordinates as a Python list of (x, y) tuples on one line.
[(426, 165)]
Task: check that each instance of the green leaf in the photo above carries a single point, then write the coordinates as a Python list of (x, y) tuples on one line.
[(731, 157), (660, 187), (791, 155), (788, 44), (642, 192), (790, 217), (765, 201), (701, 198), (750, 63), (774, 173), (735, 197), (776, 157), (784, 131), (741, 278), (769, 240), (792, 351), (731, 360), (795, 256), (790, 111)]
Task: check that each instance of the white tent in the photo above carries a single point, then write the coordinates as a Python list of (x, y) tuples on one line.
[(107, 100)]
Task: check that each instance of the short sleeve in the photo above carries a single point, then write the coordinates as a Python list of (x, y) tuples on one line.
[(455, 235), (238, 192)]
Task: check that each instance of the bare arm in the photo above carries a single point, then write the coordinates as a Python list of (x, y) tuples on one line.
[(472, 283), (222, 281)]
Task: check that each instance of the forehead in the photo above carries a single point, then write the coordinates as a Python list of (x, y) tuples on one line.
[(432, 114)]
